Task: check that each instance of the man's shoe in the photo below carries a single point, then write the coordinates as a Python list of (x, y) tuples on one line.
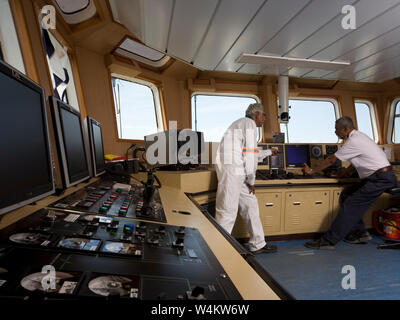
[(358, 237), (320, 243), (266, 249)]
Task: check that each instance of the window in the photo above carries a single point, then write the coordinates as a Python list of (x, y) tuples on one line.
[(394, 122), (137, 108), (311, 121), (366, 119), (11, 51), (213, 114)]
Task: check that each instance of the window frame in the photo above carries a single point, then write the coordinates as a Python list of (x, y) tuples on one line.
[(225, 94), (389, 136), (157, 98), (333, 100), (372, 112)]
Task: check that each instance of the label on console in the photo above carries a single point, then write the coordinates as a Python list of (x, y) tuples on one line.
[(72, 217), (68, 287)]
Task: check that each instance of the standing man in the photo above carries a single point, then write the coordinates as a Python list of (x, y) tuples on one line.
[(236, 165), (376, 176)]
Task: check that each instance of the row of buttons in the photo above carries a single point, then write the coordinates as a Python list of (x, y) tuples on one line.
[(115, 195), (91, 199)]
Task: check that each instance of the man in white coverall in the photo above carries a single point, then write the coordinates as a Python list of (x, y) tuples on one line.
[(236, 165)]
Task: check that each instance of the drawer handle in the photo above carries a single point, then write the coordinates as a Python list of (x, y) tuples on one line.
[(318, 202), (269, 204), (296, 203)]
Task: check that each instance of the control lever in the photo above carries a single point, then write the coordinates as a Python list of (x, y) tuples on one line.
[(149, 189)]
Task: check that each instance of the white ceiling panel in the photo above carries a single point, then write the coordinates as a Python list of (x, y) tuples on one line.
[(230, 20), (391, 65), (380, 77), (333, 31), (215, 32), (374, 48), (128, 13), (189, 24), (252, 68), (315, 74), (361, 35), (157, 15), (270, 19), (298, 72), (380, 57), (311, 19)]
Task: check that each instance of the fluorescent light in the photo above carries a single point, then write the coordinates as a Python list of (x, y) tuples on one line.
[(291, 62)]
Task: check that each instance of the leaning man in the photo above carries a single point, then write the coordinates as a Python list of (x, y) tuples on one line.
[(376, 176), (236, 164)]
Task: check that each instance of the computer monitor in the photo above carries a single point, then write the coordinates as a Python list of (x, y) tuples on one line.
[(96, 147), (70, 143), (297, 155), (26, 172), (278, 161), (174, 149)]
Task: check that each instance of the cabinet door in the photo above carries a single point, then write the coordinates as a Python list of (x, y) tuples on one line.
[(307, 211), (270, 204), (382, 202), (335, 204)]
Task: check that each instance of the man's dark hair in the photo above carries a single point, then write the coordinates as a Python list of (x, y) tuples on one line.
[(345, 122)]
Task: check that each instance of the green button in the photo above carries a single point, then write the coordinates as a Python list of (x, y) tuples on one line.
[(103, 209)]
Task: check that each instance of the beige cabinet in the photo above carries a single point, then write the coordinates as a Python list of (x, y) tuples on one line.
[(270, 204), (307, 211)]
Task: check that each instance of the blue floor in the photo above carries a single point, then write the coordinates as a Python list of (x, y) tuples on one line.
[(317, 274)]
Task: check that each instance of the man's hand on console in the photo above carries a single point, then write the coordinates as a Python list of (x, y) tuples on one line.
[(307, 170), (274, 151)]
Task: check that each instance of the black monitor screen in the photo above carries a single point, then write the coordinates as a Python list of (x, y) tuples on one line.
[(74, 145), (96, 143), (297, 155), (25, 163), (70, 143)]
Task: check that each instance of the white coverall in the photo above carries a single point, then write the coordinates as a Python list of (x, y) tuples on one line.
[(236, 164)]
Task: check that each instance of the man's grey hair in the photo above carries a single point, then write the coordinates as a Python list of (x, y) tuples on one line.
[(253, 108), (345, 122)]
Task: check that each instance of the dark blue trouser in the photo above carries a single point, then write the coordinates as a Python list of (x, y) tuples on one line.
[(355, 201)]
